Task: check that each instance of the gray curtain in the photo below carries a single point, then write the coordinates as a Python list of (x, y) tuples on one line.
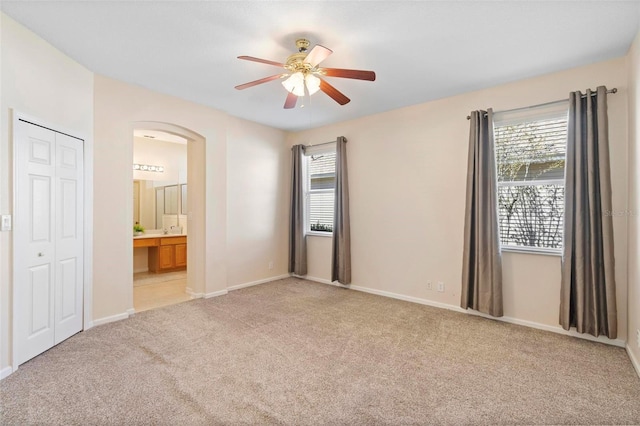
[(482, 262), (297, 238), (588, 289), (341, 255)]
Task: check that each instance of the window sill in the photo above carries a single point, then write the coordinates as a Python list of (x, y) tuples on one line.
[(320, 234), (532, 250)]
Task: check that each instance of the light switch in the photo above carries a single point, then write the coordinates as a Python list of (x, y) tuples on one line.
[(6, 222)]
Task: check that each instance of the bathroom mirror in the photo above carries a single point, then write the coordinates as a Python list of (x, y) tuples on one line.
[(183, 199), (159, 204), (171, 199)]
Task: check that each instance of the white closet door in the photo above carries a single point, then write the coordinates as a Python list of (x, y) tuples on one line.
[(47, 239), (68, 237)]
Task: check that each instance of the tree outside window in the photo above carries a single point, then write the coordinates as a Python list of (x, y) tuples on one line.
[(530, 159)]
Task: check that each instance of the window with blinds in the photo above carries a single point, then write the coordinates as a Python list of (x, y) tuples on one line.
[(530, 151), (321, 172)]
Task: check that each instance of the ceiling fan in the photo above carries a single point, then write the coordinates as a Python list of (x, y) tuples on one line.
[(302, 72)]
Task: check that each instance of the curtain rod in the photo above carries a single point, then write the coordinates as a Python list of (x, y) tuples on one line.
[(320, 144), (614, 90)]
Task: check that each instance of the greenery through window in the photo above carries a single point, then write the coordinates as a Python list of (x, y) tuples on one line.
[(321, 170), (530, 158)]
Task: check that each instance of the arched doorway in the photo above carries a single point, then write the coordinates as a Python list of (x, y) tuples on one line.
[(194, 213)]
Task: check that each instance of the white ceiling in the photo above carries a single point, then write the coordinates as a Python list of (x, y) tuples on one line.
[(420, 51)]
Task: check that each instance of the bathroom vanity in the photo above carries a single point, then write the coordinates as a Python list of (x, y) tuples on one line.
[(166, 252)]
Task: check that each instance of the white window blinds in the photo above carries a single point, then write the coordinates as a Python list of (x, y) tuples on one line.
[(530, 156), (321, 172)]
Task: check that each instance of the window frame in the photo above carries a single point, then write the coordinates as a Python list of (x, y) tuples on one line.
[(309, 152), (521, 116)]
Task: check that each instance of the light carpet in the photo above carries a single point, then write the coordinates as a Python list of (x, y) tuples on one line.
[(296, 352)]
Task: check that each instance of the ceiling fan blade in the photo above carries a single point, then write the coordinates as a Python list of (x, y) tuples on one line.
[(317, 55), (262, 61), (356, 74), (256, 82), (333, 93), (290, 102)]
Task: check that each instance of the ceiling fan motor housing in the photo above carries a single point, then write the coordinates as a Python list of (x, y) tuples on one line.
[(295, 63), (302, 44)]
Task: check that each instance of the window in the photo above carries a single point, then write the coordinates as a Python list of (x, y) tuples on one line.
[(530, 158), (321, 181)]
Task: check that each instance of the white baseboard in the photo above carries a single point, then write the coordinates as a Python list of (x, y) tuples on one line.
[(5, 372), (193, 294), (131, 312), (634, 361), (112, 318), (409, 298), (386, 294), (215, 294), (554, 329), (252, 283), (318, 280)]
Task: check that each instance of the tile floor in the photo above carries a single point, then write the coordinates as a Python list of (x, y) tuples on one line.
[(152, 291)]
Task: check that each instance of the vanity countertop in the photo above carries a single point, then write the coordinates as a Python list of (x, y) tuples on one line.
[(143, 236)]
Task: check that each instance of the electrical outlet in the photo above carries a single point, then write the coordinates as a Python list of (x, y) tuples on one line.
[(429, 285), (271, 265), (440, 286)]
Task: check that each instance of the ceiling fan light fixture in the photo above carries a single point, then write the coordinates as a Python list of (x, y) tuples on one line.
[(313, 83), (302, 71), (295, 84)]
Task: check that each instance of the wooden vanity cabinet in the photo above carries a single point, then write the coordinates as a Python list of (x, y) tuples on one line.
[(146, 242), (170, 254), (180, 255), (165, 257)]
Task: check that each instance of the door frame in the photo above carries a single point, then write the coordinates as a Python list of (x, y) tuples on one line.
[(196, 212), (87, 305)]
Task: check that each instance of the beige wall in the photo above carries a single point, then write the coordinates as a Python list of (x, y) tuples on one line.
[(237, 173), (257, 202), (633, 342), (117, 107), (41, 82), (172, 156), (407, 172)]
